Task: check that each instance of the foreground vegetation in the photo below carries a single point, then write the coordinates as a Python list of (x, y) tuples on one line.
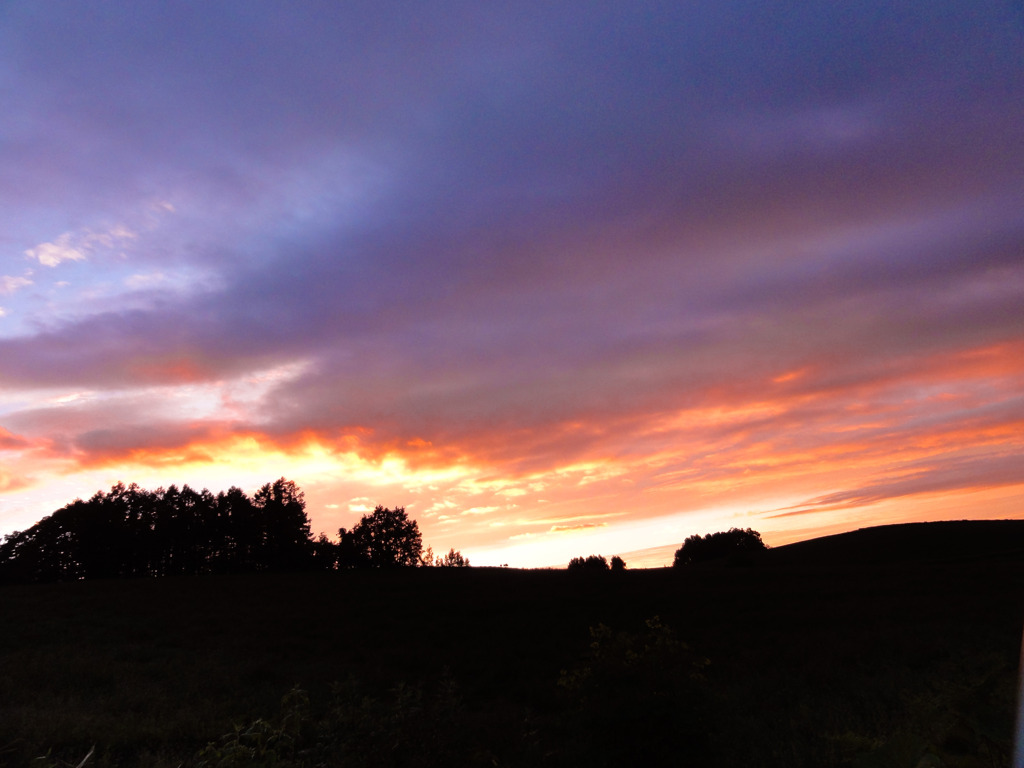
[(790, 661)]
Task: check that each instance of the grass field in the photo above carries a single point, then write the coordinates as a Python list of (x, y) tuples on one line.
[(810, 661)]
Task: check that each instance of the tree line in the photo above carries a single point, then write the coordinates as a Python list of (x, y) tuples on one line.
[(597, 563), (131, 532)]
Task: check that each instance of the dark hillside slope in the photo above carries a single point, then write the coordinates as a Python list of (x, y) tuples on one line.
[(819, 661), (951, 541)]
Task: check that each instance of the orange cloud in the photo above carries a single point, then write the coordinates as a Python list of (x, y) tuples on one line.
[(10, 483), (804, 443), (724, 438), (12, 442)]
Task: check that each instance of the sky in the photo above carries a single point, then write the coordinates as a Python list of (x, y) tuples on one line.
[(558, 278)]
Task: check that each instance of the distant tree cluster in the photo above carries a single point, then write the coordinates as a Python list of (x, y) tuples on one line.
[(597, 563), (132, 532), (735, 544), (171, 531)]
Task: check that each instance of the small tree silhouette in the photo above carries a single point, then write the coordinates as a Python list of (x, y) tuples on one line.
[(427, 557), (618, 564), (453, 559)]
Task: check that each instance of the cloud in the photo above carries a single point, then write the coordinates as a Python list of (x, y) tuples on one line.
[(10, 483), (9, 285), (62, 249), (11, 442), (577, 527), (77, 246), (479, 510), (939, 474)]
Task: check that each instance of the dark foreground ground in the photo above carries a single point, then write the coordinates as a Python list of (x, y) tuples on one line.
[(812, 657)]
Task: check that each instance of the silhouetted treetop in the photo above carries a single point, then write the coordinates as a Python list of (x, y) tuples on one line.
[(132, 532), (387, 538), (590, 563), (454, 559), (734, 543), (281, 508)]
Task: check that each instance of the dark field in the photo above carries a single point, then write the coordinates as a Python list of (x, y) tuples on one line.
[(815, 660)]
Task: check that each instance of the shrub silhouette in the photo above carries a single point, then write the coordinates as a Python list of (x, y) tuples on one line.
[(736, 544), (639, 698), (412, 725)]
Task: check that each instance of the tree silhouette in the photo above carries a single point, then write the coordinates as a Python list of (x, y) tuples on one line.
[(281, 508), (618, 564), (132, 532), (325, 554), (736, 544), (427, 557), (590, 563), (453, 559), (348, 555), (387, 538), (242, 543)]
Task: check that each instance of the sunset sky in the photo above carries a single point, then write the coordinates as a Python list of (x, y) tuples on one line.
[(559, 278)]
